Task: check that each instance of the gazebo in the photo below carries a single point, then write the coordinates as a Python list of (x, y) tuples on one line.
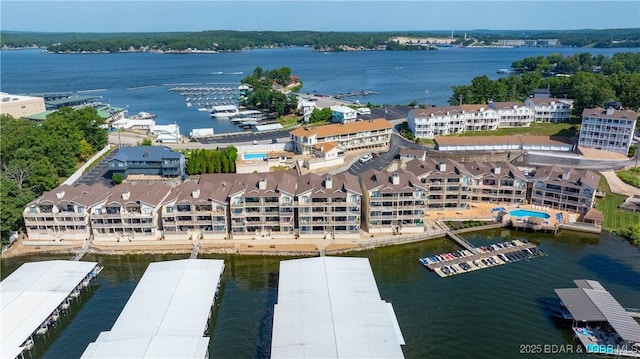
[(593, 216)]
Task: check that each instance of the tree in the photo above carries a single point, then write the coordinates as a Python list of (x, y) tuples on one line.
[(320, 115), (146, 142), (117, 179)]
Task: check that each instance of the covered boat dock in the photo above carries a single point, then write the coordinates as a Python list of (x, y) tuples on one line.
[(167, 315), (600, 323), (32, 295), (329, 307)]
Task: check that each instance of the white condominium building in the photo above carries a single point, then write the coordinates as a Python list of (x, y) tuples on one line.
[(610, 129), (550, 109)]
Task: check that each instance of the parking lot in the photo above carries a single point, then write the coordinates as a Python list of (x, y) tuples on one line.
[(99, 173)]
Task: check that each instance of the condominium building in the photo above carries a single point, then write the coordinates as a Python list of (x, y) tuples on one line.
[(261, 205), (550, 109), (131, 212), (610, 129), (393, 202), (148, 161), (512, 114), (447, 183), (500, 182), (198, 210), (63, 213), (441, 121), (328, 206), (564, 189), (349, 136)]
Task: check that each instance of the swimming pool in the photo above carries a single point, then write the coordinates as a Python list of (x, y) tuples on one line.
[(528, 213), (254, 156)]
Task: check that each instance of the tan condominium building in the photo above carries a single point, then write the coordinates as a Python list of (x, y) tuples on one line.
[(261, 205), (18, 106), (609, 130), (366, 134), (198, 209), (500, 182), (447, 183), (564, 189), (329, 205), (63, 213), (393, 202), (130, 213)]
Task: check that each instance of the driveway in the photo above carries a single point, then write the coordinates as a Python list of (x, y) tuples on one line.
[(617, 186)]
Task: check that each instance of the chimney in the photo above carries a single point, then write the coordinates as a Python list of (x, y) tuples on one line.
[(60, 194), (566, 175), (262, 184), (328, 182), (610, 110), (195, 193), (126, 194), (442, 167), (496, 170), (395, 178)]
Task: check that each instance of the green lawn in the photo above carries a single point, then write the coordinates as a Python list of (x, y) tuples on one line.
[(615, 219), (288, 121), (630, 176), (536, 129)]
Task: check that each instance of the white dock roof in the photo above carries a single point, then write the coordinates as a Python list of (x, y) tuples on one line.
[(31, 294), (329, 307), (166, 315)]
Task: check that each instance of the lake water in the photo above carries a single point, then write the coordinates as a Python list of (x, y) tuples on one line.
[(484, 314), (141, 81)]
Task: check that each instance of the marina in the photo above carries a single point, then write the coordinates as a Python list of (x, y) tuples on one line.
[(598, 321), (34, 296), (475, 258), (330, 307), (167, 315)]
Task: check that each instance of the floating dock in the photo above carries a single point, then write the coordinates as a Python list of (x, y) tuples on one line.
[(330, 307), (475, 258), (167, 315), (34, 296)]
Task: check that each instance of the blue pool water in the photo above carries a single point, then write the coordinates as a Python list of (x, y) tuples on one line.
[(254, 156), (528, 213)]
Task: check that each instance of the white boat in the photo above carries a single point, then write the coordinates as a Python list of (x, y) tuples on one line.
[(42, 330), (224, 111)]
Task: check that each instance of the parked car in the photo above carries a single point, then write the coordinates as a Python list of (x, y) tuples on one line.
[(255, 142), (365, 158)]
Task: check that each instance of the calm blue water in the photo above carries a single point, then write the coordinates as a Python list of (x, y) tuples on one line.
[(141, 81), (527, 213)]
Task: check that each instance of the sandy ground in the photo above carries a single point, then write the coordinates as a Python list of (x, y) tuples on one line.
[(617, 186)]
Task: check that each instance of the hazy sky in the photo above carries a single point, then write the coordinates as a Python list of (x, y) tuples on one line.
[(154, 16)]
